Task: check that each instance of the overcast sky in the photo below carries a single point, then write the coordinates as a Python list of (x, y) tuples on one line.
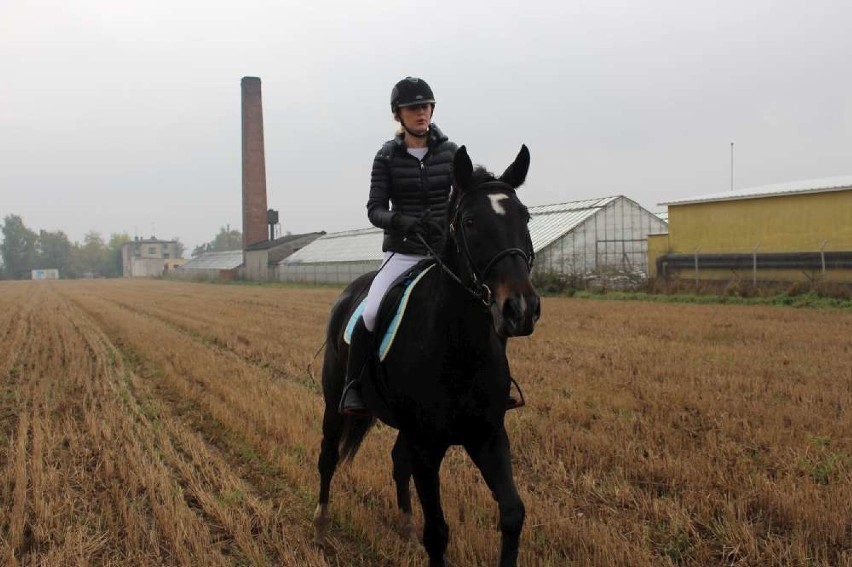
[(124, 116)]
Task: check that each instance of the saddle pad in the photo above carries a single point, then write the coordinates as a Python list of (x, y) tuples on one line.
[(390, 332)]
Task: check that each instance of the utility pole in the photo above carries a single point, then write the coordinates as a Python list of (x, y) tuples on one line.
[(732, 166)]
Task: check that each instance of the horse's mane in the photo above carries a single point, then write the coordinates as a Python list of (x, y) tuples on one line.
[(480, 175)]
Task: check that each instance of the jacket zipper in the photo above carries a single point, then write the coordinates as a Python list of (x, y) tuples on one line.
[(424, 188)]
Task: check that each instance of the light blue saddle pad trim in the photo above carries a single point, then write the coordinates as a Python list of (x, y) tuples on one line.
[(347, 334), (390, 333)]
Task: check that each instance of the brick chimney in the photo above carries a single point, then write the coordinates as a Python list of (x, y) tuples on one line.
[(254, 164)]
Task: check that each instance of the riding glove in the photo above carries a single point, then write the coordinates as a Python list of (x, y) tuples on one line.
[(411, 226)]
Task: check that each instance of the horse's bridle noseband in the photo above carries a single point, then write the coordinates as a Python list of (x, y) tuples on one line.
[(480, 290)]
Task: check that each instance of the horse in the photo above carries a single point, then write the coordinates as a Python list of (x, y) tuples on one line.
[(446, 379)]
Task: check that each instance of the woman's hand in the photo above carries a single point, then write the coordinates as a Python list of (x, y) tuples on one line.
[(412, 226)]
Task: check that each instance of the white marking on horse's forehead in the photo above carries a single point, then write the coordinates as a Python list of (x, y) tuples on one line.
[(496, 204)]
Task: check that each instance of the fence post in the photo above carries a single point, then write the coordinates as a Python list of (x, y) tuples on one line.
[(754, 264), (822, 256), (697, 250)]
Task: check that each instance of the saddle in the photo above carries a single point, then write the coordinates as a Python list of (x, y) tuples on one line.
[(392, 308)]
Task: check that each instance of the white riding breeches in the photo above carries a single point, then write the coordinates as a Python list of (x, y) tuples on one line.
[(394, 265)]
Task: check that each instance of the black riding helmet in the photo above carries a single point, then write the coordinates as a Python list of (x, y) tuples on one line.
[(409, 92)]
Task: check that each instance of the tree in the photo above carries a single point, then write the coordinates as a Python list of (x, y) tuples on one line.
[(54, 252), (113, 266), (227, 239), (200, 249), (18, 248), (89, 258), (179, 247)]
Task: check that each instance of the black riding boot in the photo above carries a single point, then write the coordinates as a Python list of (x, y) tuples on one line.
[(359, 358), (514, 403)]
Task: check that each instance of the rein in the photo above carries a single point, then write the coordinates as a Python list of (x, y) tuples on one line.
[(480, 289), (483, 295)]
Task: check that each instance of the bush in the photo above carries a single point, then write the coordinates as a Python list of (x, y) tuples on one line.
[(611, 284), (598, 282), (555, 283)]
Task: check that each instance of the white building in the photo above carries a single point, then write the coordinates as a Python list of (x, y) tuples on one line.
[(147, 257), (603, 235), (211, 266), (50, 274), (597, 236), (339, 257)]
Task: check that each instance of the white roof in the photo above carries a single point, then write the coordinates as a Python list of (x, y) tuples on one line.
[(778, 189), (364, 244), (548, 223), (215, 261)]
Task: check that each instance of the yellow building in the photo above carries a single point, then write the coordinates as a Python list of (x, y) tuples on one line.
[(796, 231)]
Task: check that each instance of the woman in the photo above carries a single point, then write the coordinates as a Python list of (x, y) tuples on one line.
[(409, 191)]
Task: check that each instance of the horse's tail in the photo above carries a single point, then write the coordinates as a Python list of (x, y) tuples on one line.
[(354, 431)]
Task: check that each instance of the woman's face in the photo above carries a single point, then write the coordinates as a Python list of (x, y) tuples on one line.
[(416, 117)]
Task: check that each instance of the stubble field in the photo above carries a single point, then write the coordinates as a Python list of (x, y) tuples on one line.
[(166, 423)]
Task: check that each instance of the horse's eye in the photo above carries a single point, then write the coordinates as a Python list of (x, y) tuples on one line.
[(468, 222)]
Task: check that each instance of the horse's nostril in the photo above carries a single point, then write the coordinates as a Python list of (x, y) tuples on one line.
[(511, 310)]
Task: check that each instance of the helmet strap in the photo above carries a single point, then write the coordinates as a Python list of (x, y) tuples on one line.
[(412, 132), (416, 134)]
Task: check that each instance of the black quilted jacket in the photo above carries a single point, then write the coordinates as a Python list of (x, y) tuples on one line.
[(402, 184)]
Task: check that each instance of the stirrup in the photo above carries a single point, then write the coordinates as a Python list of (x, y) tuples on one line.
[(512, 402), (351, 412)]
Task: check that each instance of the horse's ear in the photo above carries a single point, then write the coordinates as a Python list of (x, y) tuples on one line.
[(516, 173), (462, 169)]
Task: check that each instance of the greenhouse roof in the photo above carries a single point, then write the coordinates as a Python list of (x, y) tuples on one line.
[(281, 240), (359, 245), (548, 223), (215, 261)]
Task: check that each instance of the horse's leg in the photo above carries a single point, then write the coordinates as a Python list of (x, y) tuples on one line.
[(494, 462), (402, 479), (426, 465), (332, 425)]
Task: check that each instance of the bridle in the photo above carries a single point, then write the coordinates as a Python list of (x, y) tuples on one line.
[(479, 289)]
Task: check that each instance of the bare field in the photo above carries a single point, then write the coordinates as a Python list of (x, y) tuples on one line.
[(166, 423)]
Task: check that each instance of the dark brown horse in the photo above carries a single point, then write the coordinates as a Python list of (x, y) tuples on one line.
[(446, 379)]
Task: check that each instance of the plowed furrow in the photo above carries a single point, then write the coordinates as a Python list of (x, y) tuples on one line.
[(211, 430)]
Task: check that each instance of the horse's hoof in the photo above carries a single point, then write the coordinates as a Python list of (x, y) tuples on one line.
[(321, 521), (407, 529)]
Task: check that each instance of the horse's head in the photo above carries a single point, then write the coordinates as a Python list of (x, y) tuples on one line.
[(488, 224)]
